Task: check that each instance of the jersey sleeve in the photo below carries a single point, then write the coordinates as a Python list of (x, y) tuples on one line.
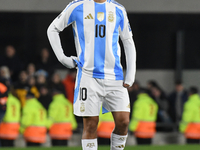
[(125, 28), (65, 18)]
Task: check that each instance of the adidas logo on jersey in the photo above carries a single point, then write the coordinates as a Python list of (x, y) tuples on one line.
[(89, 17)]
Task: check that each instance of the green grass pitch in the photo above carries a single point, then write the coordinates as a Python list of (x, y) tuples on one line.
[(167, 147)]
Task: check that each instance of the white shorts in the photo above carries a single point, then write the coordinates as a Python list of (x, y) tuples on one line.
[(92, 93)]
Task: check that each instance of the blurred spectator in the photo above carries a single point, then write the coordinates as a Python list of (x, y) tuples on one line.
[(31, 81), (21, 87), (41, 78), (31, 69), (69, 83), (11, 60), (105, 128), (151, 84), (62, 120), (45, 96), (32, 86), (160, 98), (3, 99), (9, 127), (57, 82), (33, 122), (190, 124), (143, 118), (44, 61), (176, 101), (5, 75), (162, 103)]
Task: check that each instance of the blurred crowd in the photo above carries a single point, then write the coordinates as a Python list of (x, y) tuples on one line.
[(35, 89), (170, 106), (36, 96)]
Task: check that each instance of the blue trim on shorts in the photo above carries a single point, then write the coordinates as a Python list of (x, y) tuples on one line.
[(104, 110), (76, 91)]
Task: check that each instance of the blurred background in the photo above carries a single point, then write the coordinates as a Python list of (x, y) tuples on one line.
[(166, 35)]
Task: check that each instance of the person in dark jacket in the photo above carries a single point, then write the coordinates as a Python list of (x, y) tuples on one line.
[(45, 97), (176, 102), (12, 61)]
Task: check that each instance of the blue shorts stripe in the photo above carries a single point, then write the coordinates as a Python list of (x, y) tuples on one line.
[(76, 91), (104, 110)]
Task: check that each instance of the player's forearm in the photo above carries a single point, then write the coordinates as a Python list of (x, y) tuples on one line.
[(130, 54), (54, 39)]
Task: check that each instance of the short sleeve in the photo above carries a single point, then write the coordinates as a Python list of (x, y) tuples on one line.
[(125, 28), (65, 18)]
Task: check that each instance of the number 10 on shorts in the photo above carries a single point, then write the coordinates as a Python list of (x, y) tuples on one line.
[(83, 94)]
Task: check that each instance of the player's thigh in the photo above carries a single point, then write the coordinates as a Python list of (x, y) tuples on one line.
[(87, 101), (117, 98)]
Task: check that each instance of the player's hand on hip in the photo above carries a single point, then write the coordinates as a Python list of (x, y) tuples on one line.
[(125, 85), (68, 62)]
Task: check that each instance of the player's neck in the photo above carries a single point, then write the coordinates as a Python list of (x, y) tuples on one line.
[(100, 1)]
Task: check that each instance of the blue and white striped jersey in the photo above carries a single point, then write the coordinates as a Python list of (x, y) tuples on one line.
[(97, 27)]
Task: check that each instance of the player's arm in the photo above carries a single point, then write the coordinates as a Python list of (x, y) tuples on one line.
[(130, 51), (58, 25)]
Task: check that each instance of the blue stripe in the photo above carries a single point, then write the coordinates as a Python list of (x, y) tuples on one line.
[(77, 15), (100, 42), (76, 91), (117, 69)]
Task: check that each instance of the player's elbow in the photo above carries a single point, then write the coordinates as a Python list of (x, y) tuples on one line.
[(49, 30), (61, 59)]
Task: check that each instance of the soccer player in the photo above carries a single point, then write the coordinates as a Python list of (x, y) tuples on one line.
[(97, 25)]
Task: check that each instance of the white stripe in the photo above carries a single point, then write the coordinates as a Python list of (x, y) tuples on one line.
[(109, 57), (76, 40), (89, 24)]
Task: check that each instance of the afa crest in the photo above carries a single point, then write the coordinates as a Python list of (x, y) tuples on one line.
[(82, 107), (111, 16)]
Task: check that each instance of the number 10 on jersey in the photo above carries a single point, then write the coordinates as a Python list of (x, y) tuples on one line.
[(100, 31)]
